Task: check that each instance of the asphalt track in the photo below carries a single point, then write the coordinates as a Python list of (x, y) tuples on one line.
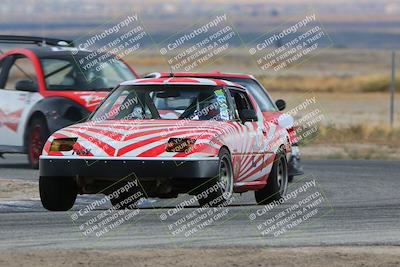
[(360, 206)]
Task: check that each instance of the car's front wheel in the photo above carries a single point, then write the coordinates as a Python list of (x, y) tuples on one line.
[(277, 181), (219, 190), (57, 193)]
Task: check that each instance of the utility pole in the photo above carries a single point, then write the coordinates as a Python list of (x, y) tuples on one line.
[(392, 88)]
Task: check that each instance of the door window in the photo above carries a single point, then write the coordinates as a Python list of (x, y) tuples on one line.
[(21, 70), (240, 102)]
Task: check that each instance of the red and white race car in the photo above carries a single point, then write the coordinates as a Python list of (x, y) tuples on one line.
[(272, 111), (43, 88), (216, 143)]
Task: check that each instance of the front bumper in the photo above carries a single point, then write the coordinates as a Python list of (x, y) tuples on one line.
[(117, 168)]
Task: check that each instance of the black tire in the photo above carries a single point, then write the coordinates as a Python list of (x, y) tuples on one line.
[(57, 193), (126, 200), (222, 185), (38, 133), (277, 182)]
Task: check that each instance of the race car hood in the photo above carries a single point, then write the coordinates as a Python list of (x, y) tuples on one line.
[(144, 138), (88, 99)]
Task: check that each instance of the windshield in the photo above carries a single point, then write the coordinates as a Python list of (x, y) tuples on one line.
[(66, 74), (165, 102)]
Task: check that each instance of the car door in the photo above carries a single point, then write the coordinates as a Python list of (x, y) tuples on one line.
[(249, 163), (18, 93)]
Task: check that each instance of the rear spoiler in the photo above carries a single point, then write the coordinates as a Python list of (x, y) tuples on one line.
[(41, 41)]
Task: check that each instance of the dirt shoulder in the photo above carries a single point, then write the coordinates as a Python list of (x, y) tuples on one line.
[(350, 151), (11, 189), (307, 256)]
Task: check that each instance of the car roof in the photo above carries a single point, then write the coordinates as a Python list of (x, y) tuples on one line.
[(41, 46), (213, 74), (182, 81)]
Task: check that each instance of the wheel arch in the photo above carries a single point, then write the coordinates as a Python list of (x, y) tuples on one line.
[(227, 148), (282, 142), (57, 113), (35, 115)]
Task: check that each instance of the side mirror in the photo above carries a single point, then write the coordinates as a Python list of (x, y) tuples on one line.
[(281, 104), (248, 115), (27, 86)]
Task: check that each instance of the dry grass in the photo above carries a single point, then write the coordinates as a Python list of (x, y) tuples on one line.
[(328, 70), (361, 141), (360, 133), (326, 62), (361, 83)]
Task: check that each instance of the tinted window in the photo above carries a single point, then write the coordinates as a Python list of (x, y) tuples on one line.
[(240, 102)]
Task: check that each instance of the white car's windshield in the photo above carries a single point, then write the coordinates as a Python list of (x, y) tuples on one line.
[(66, 74)]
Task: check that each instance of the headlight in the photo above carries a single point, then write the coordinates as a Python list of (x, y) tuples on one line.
[(63, 144), (180, 145)]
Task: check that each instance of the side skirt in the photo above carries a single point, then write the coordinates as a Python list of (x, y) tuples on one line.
[(12, 150), (248, 186)]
